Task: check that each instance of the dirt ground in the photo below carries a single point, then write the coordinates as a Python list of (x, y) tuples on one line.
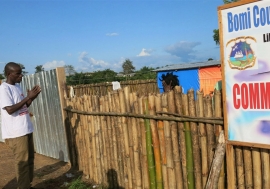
[(49, 173)]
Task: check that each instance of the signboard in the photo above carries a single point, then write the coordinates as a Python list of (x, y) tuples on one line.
[(245, 50)]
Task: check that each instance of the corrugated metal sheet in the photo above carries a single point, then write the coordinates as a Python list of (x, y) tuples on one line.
[(189, 65), (49, 135)]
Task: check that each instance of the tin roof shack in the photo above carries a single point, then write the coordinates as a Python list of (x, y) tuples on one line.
[(197, 75)]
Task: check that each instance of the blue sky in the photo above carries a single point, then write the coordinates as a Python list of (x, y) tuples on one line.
[(96, 35)]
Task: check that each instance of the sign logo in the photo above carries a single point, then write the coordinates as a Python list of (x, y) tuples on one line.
[(241, 53)]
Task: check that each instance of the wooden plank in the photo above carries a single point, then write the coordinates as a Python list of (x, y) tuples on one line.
[(237, 143), (61, 83)]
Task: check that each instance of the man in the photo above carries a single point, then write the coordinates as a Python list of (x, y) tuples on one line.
[(169, 81), (17, 128)]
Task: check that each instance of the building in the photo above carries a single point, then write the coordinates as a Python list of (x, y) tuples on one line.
[(197, 75)]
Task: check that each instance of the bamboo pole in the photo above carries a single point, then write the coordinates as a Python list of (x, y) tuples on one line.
[(120, 141), (203, 139), (114, 141), (94, 147), (175, 141), (81, 134), (99, 155), (130, 134), (92, 164), (145, 173), (168, 143), (123, 108), (248, 167), (136, 149), (144, 116), (265, 168), (161, 137), (195, 142), (181, 133), (218, 128), (104, 140), (188, 141), (79, 138), (86, 136), (257, 173), (155, 140), (239, 168), (150, 155), (109, 144), (75, 131), (209, 130), (72, 135)]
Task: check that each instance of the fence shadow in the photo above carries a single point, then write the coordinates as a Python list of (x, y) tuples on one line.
[(112, 179)]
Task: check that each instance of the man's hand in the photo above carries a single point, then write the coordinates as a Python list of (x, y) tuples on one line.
[(34, 92)]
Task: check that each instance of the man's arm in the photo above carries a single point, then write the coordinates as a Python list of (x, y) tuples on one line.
[(31, 95), (11, 109)]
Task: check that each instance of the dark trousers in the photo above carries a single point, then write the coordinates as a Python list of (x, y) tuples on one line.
[(23, 150)]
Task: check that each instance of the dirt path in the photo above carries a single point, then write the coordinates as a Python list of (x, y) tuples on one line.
[(49, 173)]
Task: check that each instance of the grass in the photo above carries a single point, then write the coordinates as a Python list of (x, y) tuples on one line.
[(78, 184)]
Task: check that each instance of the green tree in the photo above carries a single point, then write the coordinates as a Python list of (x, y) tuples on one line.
[(128, 67), (144, 73), (216, 36), (231, 1), (216, 31), (2, 76), (107, 75), (23, 69), (69, 69), (77, 79), (39, 68)]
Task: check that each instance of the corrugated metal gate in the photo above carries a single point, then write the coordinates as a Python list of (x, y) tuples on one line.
[(49, 134)]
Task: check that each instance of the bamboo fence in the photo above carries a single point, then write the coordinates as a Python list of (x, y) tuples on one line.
[(101, 89), (126, 140)]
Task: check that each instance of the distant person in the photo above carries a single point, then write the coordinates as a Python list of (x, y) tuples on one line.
[(169, 81), (17, 127)]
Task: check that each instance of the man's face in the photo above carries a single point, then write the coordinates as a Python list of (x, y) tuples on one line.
[(15, 74), (166, 87)]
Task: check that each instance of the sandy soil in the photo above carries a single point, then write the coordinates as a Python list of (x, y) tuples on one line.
[(49, 173)]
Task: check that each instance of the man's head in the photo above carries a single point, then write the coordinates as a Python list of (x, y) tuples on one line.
[(13, 73), (169, 81)]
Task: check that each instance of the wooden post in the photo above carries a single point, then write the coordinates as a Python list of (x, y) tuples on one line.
[(212, 182), (203, 139), (195, 142), (61, 85)]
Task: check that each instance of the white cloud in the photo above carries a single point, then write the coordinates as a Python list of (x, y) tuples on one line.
[(53, 64), (183, 49), (112, 34), (91, 64), (145, 52)]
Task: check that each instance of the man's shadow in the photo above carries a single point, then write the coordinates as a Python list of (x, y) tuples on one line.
[(37, 173), (112, 179)]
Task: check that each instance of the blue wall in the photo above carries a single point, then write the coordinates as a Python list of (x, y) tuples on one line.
[(187, 79)]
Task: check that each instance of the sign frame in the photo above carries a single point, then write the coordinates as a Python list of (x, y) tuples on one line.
[(231, 177)]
